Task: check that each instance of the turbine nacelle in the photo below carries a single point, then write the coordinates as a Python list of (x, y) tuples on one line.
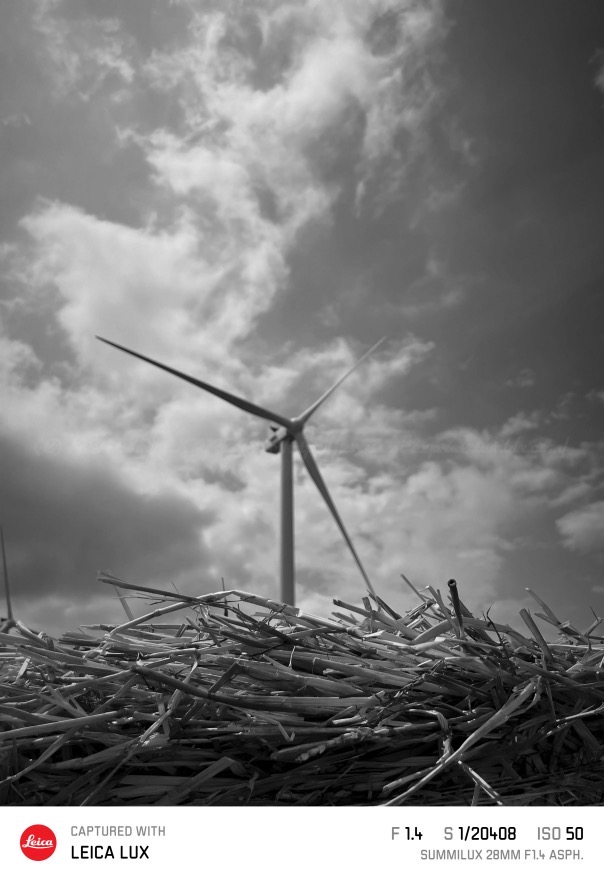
[(279, 434)]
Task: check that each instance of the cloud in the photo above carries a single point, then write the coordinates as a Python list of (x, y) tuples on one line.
[(524, 379), (105, 275), (579, 490), (299, 89), (456, 504), (63, 521), (84, 55), (16, 120), (277, 106), (520, 423), (582, 530), (595, 396), (566, 407), (433, 292), (16, 359)]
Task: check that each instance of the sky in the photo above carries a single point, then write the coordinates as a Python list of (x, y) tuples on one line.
[(255, 193)]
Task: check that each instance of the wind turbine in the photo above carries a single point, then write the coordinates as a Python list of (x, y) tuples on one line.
[(284, 434)]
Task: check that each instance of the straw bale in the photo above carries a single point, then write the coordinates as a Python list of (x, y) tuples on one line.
[(275, 706)]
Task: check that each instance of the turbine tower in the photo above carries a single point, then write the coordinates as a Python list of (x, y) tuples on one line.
[(285, 431)]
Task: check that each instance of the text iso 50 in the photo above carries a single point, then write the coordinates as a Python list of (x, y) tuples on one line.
[(569, 833)]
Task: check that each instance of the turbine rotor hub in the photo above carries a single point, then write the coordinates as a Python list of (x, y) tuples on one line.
[(279, 435)]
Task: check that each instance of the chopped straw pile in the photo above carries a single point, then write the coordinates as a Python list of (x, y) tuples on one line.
[(237, 706)]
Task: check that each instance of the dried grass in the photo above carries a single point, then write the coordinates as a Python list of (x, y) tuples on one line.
[(278, 707)]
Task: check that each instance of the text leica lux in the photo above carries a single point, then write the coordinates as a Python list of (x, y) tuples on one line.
[(98, 852)]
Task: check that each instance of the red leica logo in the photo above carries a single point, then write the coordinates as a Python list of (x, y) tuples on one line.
[(38, 842)]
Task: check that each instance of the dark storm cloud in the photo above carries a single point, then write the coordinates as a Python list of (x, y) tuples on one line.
[(522, 239), (63, 522)]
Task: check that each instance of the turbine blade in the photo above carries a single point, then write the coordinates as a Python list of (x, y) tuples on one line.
[(308, 412), (246, 405), (315, 475)]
